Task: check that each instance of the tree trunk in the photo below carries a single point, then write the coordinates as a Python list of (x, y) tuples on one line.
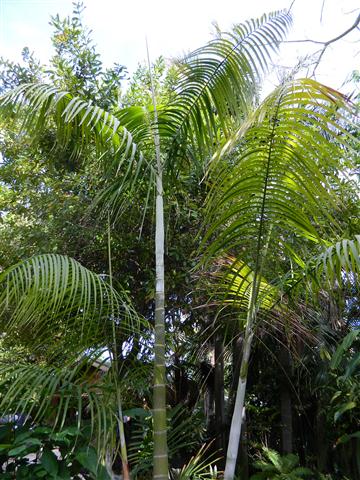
[(236, 422), (286, 404), (219, 393), (208, 369), (160, 470), (123, 449), (243, 453), (159, 402)]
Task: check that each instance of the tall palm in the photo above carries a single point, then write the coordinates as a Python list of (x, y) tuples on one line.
[(214, 94), (274, 187)]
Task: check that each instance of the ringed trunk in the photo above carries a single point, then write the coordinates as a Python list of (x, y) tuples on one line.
[(159, 401), (160, 467)]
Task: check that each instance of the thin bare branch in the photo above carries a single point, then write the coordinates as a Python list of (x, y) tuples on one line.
[(325, 44), (332, 40), (291, 6), (322, 10)]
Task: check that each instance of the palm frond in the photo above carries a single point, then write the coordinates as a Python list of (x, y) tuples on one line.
[(76, 392), (272, 178), (201, 466), (236, 282), (50, 295), (217, 83), (344, 347), (79, 124), (337, 263), (338, 260)]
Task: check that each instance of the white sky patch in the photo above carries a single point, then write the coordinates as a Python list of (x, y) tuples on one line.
[(174, 28)]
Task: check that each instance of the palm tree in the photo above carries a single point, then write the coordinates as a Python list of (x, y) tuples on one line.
[(276, 186), (211, 111)]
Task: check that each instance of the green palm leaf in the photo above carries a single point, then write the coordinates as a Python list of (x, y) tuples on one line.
[(60, 393), (73, 115), (81, 125), (277, 180), (218, 82), (49, 296), (337, 262), (339, 259), (236, 283)]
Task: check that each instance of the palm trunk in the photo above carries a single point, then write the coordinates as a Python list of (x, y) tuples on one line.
[(160, 470), (238, 415), (114, 350), (159, 401), (243, 458), (123, 449), (286, 404), (219, 393), (237, 418)]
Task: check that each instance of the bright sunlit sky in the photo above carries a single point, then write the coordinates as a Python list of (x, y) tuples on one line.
[(176, 27)]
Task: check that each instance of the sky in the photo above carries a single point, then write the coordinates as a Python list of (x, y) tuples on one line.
[(176, 27)]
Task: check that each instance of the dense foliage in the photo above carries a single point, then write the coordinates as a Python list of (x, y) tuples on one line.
[(261, 264)]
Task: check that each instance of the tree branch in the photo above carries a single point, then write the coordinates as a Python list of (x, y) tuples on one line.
[(326, 44)]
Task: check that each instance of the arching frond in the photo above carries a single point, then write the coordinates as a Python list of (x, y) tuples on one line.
[(218, 82), (337, 263), (235, 282), (339, 260), (77, 392), (343, 348), (49, 296), (273, 177), (79, 123)]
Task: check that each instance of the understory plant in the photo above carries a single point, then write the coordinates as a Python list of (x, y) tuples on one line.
[(274, 466), (40, 452)]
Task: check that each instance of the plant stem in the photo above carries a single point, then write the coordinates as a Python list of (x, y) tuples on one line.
[(160, 470), (237, 418), (114, 350)]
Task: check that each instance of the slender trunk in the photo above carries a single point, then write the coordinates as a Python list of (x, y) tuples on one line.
[(115, 361), (159, 400), (286, 404), (123, 449), (286, 420), (236, 422), (237, 346), (219, 392), (160, 470), (243, 471), (209, 400)]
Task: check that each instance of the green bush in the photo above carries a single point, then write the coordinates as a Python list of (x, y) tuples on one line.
[(274, 466), (40, 452)]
